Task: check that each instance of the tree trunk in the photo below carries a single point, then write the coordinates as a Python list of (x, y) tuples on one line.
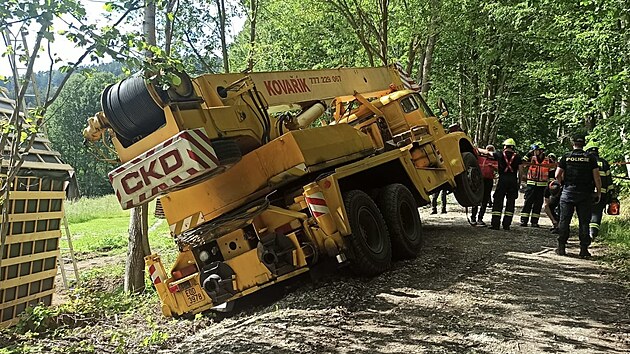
[(428, 62), (464, 118), (384, 31), (412, 52), (134, 268), (423, 54), (138, 246), (623, 133), (625, 98), (148, 26), (168, 26), (222, 23), (430, 47)]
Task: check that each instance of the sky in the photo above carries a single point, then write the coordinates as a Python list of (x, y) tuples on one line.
[(66, 50)]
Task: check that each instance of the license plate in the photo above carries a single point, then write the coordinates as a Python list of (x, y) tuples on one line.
[(193, 296)]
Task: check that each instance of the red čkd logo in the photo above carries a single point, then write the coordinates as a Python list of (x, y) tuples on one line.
[(155, 170)]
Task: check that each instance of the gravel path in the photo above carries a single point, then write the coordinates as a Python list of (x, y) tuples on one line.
[(472, 290)]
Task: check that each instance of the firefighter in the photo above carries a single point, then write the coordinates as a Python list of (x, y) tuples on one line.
[(488, 168), (508, 162), (608, 189), (537, 180), (578, 174)]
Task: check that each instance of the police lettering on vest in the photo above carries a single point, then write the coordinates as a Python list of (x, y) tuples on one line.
[(578, 167)]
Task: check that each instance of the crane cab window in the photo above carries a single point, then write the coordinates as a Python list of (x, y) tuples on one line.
[(413, 103), (409, 104)]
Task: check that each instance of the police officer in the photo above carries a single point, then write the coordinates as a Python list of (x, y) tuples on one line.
[(508, 162), (537, 179), (608, 189), (578, 173)]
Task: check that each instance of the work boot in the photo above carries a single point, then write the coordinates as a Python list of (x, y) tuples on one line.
[(535, 225), (481, 223), (584, 253), (444, 211), (434, 211), (561, 250), (494, 227), (506, 227), (523, 224)]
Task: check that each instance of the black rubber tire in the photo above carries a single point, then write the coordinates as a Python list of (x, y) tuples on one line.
[(369, 243), (401, 215), (227, 151), (469, 188)]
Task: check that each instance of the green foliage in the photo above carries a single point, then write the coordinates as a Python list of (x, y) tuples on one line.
[(67, 117), (615, 232), (298, 35), (157, 336)]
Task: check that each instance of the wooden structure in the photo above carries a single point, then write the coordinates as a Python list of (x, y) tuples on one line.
[(29, 256)]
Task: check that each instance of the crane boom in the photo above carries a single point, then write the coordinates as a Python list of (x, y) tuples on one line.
[(295, 87)]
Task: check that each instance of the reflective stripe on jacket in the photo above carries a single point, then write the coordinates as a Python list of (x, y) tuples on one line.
[(538, 173)]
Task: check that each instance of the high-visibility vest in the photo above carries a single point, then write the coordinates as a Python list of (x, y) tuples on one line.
[(538, 175)]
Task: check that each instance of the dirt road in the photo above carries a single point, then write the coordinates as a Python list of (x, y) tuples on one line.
[(472, 290)]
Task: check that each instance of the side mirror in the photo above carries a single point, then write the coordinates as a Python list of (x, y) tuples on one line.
[(442, 107)]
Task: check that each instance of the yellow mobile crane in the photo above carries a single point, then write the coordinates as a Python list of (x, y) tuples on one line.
[(254, 197)]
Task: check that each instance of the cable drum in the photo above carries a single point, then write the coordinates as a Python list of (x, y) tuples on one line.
[(130, 109)]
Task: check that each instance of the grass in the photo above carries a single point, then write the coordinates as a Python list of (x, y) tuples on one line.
[(100, 227), (615, 233)]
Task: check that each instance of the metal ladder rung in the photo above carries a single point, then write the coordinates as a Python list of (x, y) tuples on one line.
[(63, 262)]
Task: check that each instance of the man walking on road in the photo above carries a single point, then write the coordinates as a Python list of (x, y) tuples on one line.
[(507, 187), (578, 173), (608, 189)]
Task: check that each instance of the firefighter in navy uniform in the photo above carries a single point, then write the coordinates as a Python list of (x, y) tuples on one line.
[(537, 180), (608, 189), (578, 173), (507, 187)]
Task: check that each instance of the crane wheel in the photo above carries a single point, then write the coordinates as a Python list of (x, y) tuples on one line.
[(369, 243), (401, 215), (469, 184)]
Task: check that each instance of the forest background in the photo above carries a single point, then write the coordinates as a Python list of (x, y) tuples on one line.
[(530, 70)]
